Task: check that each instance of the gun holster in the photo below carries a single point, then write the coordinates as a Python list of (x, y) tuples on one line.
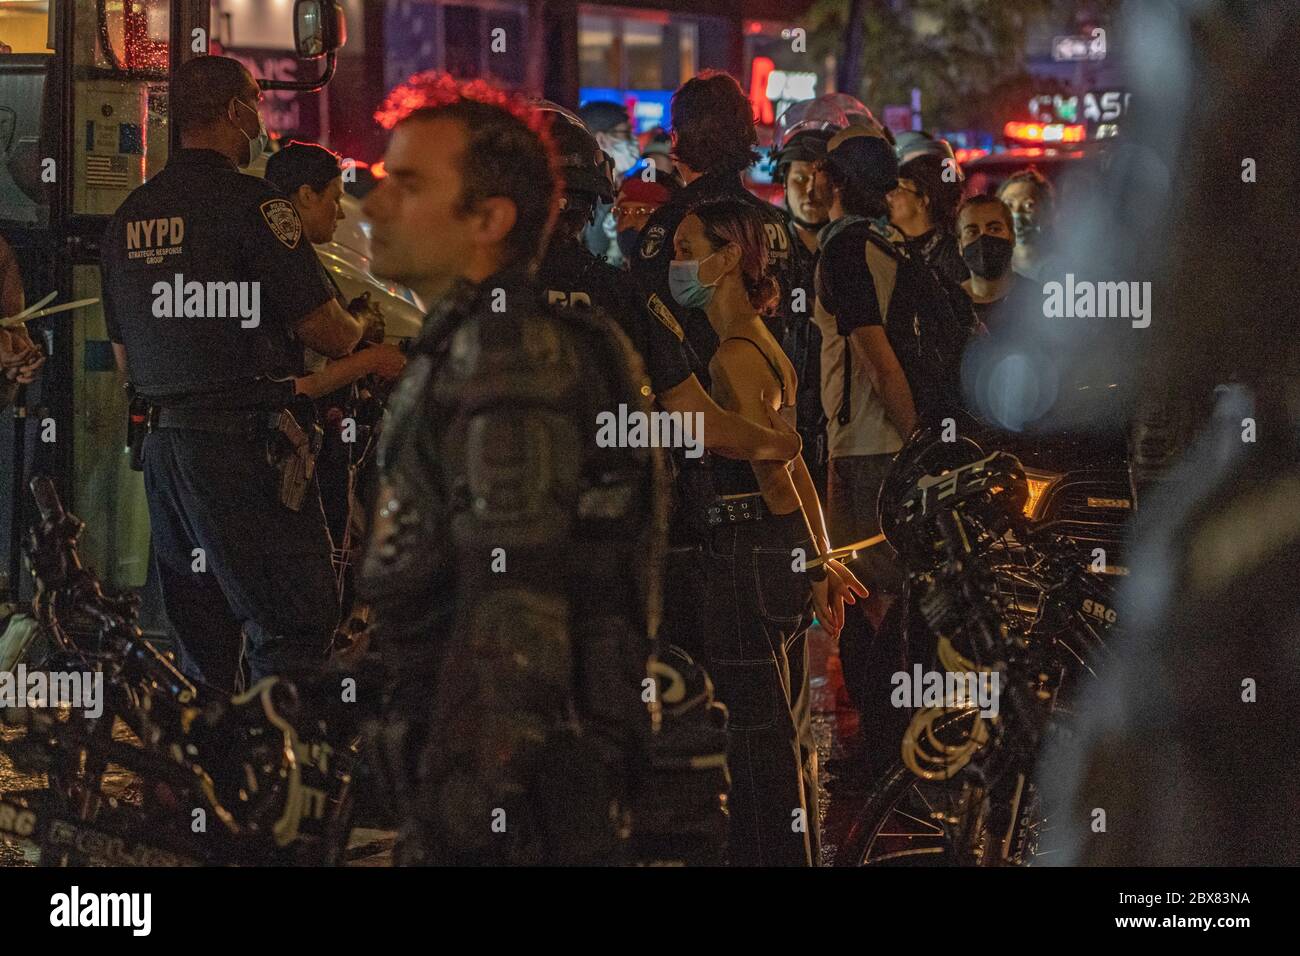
[(292, 449), (141, 418)]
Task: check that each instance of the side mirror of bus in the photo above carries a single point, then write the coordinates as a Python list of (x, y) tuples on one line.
[(319, 27)]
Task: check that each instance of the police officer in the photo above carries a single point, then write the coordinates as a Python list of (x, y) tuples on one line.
[(676, 372), (207, 280), (573, 277), (511, 563), (343, 390), (609, 123), (807, 210), (312, 177), (715, 137)]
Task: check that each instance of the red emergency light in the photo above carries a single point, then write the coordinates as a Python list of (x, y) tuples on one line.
[(1044, 132), (968, 155)]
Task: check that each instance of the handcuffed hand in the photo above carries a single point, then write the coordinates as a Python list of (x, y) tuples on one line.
[(839, 587)]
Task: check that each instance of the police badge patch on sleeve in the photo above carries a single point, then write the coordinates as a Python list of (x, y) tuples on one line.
[(283, 220), (665, 316), (652, 241)]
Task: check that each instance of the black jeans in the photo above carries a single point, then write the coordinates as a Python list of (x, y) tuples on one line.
[(755, 617)]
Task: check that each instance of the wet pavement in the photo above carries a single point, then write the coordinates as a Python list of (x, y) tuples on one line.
[(834, 722)]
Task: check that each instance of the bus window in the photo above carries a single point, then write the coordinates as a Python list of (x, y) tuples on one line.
[(25, 28)]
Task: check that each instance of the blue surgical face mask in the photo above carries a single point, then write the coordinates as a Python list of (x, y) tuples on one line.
[(625, 154), (256, 147), (685, 285)]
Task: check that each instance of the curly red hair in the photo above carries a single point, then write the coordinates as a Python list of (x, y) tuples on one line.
[(509, 151)]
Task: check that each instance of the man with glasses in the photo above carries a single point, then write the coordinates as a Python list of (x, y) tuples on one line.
[(636, 203)]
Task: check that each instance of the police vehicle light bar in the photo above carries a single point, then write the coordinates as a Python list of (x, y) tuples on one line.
[(1044, 133)]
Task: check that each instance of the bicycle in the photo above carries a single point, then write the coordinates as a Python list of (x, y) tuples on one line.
[(1008, 604)]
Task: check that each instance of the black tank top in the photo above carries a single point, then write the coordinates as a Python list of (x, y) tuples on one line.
[(732, 476)]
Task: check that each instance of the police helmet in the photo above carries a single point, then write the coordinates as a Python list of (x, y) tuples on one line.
[(803, 130), (587, 170), (910, 144), (830, 114)]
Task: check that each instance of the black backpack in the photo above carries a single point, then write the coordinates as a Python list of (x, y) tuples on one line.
[(939, 331)]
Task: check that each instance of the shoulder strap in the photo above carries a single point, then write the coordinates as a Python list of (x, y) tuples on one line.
[(776, 369), (881, 252)]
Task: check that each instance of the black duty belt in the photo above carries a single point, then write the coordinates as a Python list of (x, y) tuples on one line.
[(245, 423), (733, 509)]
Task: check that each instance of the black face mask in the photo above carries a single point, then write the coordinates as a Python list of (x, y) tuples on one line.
[(627, 241), (988, 256)]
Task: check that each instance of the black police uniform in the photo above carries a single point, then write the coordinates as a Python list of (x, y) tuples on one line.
[(334, 464), (677, 819), (802, 343), (266, 571), (512, 568), (655, 250), (693, 486), (572, 277)]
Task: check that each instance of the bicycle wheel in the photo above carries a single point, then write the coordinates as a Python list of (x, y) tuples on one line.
[(906, 821)]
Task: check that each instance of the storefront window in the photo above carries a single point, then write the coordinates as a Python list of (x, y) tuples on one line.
[(598, 59), (411, 39), (643, 48), (775, 76), (636, 51), (25, 27), (688, 46), (461, 40), (485, 40)]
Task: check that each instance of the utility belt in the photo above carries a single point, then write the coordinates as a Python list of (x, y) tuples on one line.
[(293, 442)]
